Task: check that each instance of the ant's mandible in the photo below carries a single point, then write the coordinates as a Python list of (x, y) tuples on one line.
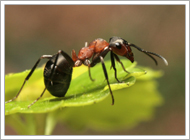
[(98, 49), (57, 75)]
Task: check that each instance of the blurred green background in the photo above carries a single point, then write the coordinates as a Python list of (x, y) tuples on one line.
[(34, 30)]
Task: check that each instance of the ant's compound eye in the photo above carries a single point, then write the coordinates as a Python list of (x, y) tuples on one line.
[(118, 45)]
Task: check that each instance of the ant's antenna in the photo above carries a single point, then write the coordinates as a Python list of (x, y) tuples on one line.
[(149, 54)]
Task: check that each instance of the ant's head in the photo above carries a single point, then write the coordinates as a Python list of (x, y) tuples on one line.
[(120, 47)]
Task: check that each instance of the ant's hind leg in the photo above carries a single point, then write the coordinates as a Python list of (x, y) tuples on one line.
[(54, 67), (37, 98), (28, 76)]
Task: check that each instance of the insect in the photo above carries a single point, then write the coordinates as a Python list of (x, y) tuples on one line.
[(99, 48), (59, 67), (57, 75)]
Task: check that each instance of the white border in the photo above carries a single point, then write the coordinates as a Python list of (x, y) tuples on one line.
[(3, 3), (2, 69), (96, 2), (187, 70)]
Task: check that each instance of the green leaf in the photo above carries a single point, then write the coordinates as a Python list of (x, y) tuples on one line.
[(132, 106), (82, 90)]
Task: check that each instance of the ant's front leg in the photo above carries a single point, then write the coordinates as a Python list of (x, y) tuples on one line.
[(113, 65), (118, 60)]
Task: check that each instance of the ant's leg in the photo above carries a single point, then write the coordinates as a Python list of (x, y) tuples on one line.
[(106, 76), (90, 74), (30, 73), (37, 99), (118, 60), (54, 67), (96, 59), (87, 63), (113, 65)]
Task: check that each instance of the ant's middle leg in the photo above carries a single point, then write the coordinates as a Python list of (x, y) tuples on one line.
[(106, 76)]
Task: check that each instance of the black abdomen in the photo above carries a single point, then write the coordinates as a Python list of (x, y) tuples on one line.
[(57, 83)]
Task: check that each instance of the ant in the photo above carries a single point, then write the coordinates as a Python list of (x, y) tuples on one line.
[(98, 49), (58, 69), (57, 75)]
